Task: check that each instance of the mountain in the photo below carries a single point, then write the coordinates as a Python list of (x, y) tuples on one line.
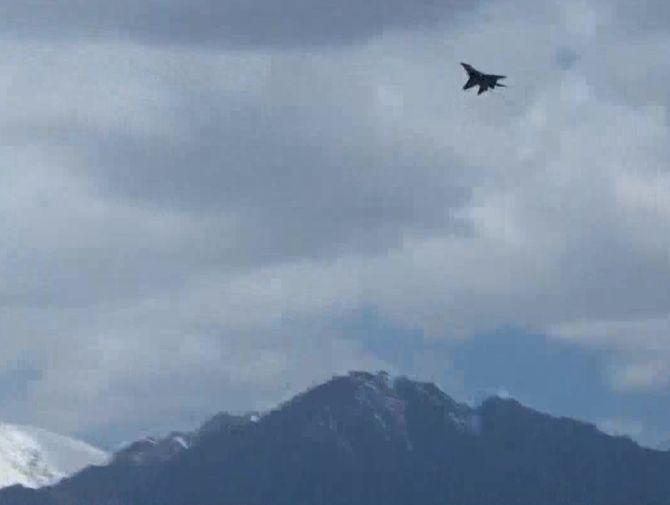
[(33, 457), (151, 450), (154, 450), (367, 439)]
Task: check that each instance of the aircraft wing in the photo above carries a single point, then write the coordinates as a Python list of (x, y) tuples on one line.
[(471, 82), (482, 88)]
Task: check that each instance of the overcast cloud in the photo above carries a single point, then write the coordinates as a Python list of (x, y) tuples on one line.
[(195, 198), (227, 23)]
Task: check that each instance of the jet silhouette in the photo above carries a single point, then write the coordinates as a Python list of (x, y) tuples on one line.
[(484, 81)]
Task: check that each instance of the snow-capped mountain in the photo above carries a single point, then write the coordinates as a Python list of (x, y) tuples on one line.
[(34, 457)]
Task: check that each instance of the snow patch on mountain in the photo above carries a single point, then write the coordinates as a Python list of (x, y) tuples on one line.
[(151, 450), (34, 457)]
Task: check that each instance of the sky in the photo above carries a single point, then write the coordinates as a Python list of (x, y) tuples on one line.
[(213, 205)]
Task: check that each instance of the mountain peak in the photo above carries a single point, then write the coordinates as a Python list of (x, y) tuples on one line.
[(153, 450), (372, 438), (372, 406)]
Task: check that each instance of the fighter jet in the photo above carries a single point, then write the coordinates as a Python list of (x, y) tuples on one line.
[(484, 81)]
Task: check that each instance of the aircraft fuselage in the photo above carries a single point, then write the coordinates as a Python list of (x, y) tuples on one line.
[(484, 81)]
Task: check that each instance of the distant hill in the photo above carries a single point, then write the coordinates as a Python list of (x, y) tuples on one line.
[(367, 439)]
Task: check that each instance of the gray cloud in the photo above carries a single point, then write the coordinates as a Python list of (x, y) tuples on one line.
[(235, 23), (647, 16), (301, 161), (566, 57), (198, 224)]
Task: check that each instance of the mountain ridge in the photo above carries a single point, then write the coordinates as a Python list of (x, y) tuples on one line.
[(367, 439)]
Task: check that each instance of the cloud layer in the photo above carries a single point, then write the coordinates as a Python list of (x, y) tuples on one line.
[(227, 23), (188, 227)]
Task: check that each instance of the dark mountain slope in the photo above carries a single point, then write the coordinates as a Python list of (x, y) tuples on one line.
[(364, 439)]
